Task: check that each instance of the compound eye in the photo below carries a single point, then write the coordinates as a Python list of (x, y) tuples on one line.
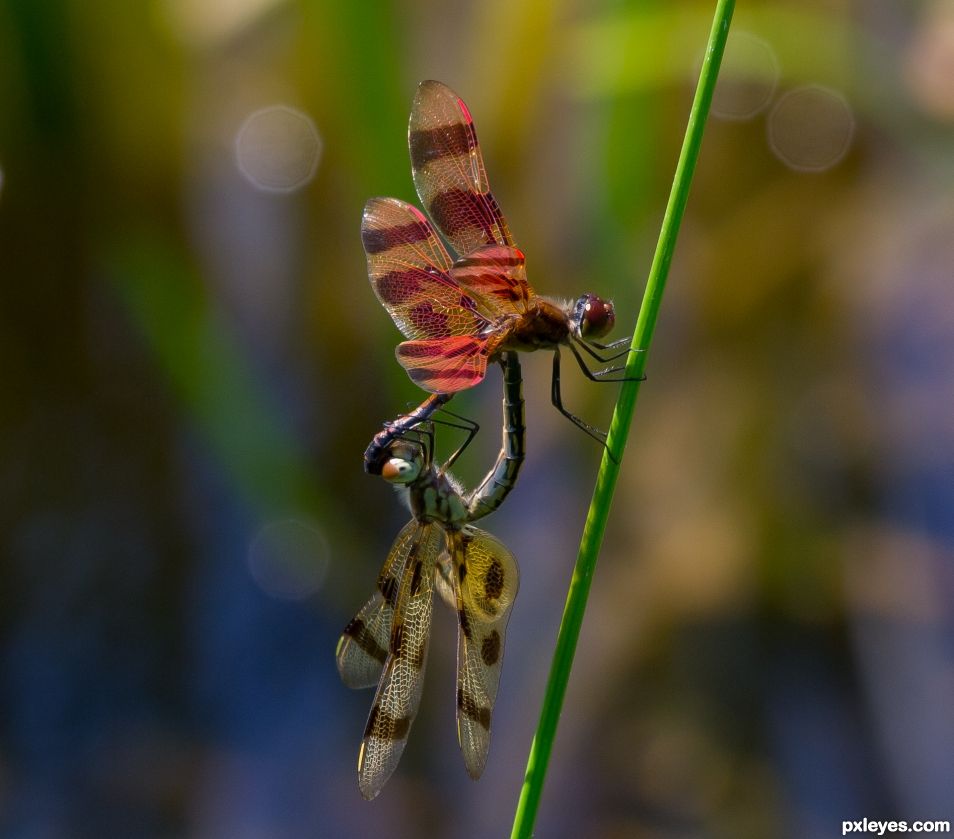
[(401, 462), (397, 470), (597, 316)]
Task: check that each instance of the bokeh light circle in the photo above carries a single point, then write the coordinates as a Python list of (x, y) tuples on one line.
[(747, 79), (277, 149), (810, 129), (288, 559)]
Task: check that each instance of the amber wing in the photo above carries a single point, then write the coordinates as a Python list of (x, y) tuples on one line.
[(449, 171), (364, 644), (410, 273), (399, 690), (495, 275), (486, 582)]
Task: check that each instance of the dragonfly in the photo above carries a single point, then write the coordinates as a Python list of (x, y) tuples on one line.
[(459, 315), (386, 643)]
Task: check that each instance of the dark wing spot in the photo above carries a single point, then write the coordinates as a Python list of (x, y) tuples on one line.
[(399, 727), (443, 141), (469, 708), (494, 581), (383, 725), (358, 632), (378, 240), (354, 628), (420, 349), (490, 648), (397, 640), (388, 588), (397, 287), (464, 623), (372, 720), (456, 209), (426, 319), (416, 579)]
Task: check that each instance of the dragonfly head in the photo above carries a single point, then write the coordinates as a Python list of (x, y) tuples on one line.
[(403, 463), (593, 316)]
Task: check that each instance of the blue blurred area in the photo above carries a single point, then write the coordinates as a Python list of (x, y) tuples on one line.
[(193, 363)]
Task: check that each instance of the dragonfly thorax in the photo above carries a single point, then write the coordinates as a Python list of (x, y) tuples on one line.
[(434, 497), (544, 326)]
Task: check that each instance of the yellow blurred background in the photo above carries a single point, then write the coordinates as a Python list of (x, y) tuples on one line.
[(193, 362)]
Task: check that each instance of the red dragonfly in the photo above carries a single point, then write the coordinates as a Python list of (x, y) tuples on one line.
[(460, 315)]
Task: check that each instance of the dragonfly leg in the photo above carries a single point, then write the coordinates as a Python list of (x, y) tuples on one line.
[(422, 436), (588, 348), (557, 400), (598, 375), (464, 424), (613, 345), (426, 432)]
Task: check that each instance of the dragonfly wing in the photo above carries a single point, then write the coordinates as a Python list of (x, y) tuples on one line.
[(444, 365), (444, 580), (399, 691), (497, 275), (487, 582), (449, 171), (363, 646), (410, 274)]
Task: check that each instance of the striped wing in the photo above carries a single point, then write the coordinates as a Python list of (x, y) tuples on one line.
[(410, 273), (449, 171), (487, 579), (496, 275), (445, 365), (363, 646), (399, 691)]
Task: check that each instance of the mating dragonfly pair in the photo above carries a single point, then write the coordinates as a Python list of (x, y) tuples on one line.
[(458, 317)]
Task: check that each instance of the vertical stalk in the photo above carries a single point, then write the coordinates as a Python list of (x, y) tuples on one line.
[(619, 431)]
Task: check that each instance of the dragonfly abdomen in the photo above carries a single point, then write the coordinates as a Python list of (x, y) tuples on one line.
[(495, 487)]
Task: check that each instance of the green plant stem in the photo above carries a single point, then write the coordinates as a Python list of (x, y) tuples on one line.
[(619, 431)]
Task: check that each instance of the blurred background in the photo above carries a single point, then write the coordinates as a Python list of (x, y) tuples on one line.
[(193, 362)]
